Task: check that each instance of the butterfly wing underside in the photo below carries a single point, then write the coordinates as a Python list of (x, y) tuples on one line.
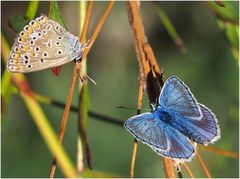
[(42, 44)]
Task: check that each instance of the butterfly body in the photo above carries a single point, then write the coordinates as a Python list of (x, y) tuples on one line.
[(42, 44), (174, 127)]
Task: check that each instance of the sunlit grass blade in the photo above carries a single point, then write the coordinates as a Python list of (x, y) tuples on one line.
[(31, 10), (171, 29), (228, 21)]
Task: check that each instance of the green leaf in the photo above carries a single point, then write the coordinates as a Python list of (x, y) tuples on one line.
[(171, 29), (31, 10), (7, 89), (17, 22), (55, 13), (229, 12)]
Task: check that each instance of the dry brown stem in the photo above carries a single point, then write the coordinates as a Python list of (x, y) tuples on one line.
[(150, 73), (139, 106), (188, 170), (204, 167), (220, 151)]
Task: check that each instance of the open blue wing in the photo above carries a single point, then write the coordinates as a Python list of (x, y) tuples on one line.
[(161, 137), (203, 131), (177, 98), (148, 129), (180, 148)]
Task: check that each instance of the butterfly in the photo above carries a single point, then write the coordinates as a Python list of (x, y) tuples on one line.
[(42, 44), (176, 125)]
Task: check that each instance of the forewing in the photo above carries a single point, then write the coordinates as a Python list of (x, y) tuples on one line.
[(148, 129), (177, 98)]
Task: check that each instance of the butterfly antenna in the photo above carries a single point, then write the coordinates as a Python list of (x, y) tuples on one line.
[(131, 108)]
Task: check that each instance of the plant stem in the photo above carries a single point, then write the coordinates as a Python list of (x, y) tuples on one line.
[(204, 167), (149, 71)]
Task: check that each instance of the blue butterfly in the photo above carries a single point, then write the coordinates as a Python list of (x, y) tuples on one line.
[(176, 125)]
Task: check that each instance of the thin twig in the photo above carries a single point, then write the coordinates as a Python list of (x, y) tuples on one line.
[(134, 153), (64, 119), (139, 106), (98, 28), (188, 170), (86, 22), (204, 167), (74, 78), (220, 151)]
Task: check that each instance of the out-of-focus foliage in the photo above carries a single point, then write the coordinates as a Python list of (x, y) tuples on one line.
[(228, 21), (55, 13)]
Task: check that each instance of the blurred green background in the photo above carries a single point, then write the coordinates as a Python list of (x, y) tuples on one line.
[(208, 68)]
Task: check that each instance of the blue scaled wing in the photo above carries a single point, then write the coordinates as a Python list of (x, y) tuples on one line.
[(176, 98), (148, 129), (161, 137), (180, 147), (203, 131)]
